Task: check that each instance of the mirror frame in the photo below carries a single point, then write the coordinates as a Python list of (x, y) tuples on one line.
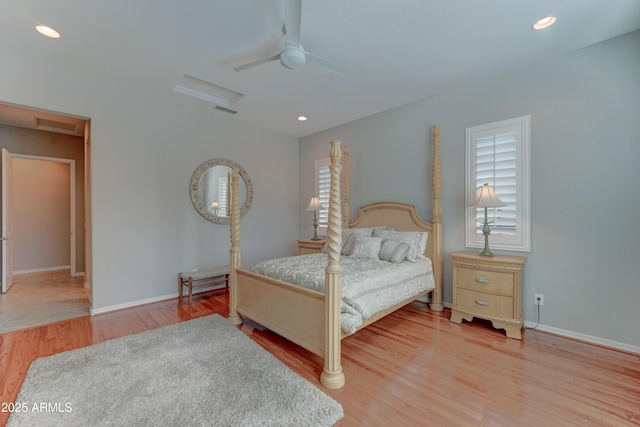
[(195, 194)]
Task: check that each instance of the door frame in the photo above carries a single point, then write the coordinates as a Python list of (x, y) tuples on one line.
[(7, 218), (72, 197)]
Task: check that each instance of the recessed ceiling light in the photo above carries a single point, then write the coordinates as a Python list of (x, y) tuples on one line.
[(47, 31), (545, 22), (302, 118)]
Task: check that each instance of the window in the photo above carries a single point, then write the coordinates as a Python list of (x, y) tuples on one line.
[(323, 187), (498, 154)]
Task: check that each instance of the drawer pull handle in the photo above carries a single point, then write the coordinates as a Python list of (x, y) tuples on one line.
[(480, 302), (482, 280)]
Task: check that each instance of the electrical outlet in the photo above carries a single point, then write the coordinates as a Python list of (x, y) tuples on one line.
[(538, 299)]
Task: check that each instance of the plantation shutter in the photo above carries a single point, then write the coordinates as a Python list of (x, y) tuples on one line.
[(324, 187), (222, 194), (496, 165)]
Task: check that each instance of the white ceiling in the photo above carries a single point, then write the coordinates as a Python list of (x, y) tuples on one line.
[(397, 51)]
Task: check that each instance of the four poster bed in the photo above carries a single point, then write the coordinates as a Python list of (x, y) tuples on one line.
[(314, 318)]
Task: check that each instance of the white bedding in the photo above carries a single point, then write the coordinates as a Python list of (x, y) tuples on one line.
[(368, 285)]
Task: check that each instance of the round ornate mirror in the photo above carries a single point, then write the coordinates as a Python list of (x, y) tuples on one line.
[(210, 190)]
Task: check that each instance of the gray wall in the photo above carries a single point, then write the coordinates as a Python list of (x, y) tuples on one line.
[(585, 192), (145, 146)]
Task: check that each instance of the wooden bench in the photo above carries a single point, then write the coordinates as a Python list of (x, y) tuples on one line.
[(195, 278)]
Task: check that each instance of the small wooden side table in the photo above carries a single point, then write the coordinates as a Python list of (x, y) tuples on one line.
[(489, 288), (310, 246)]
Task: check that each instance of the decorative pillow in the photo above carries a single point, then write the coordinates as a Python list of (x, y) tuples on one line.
[(412, 238), (364, 246), (347, 244), (347, 233), (393, 251), (382, 227), (424, 238)]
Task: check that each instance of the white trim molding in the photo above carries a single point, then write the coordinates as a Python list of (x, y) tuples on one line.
[(583, 337)]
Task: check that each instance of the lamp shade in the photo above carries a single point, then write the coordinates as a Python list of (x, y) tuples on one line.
[(314, 204), (486, 198), (215, 205)]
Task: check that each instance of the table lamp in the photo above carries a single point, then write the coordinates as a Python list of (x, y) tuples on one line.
[(315, 205), (486, 198)]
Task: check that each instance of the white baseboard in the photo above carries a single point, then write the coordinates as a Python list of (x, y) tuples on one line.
[(40, 270), (578, 336), (586, 338), (132, 304)]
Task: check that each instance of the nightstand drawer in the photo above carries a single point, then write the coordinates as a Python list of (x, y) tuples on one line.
[(485, 304), (485, 281)]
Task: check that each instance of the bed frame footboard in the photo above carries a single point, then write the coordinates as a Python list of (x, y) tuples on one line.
[(294, 312)]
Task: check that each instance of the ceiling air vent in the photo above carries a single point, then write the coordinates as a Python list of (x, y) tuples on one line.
[(55, 126), (222, 97), (226, 110)]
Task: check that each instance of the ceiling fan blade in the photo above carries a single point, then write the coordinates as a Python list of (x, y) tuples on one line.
[(256, 63), (326, 64), (292, 18)]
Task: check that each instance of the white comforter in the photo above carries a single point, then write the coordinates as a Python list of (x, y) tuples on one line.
[(368, 285)]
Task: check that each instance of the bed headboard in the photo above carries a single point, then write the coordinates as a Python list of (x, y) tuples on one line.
[(401, 216)]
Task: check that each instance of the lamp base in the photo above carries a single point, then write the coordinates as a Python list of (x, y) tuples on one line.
[(315, 234), (315, 229), (486, 251), (486, 231)]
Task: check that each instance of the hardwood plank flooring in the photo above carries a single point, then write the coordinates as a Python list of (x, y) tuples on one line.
[(412, 368), (40, 298)]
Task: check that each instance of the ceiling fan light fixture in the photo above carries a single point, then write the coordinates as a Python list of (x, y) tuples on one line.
[(292, 56), (545, 22)]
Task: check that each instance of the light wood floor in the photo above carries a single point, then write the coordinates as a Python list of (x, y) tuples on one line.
[(41, 298), (412, 368)]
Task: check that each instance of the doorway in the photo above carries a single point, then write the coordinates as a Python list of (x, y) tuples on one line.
[(54, 149), (44, 214)]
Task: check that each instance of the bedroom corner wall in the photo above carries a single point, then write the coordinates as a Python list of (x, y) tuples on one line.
[(585, 196)]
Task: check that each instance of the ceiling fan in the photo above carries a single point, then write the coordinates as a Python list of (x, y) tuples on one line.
[(292, 55)]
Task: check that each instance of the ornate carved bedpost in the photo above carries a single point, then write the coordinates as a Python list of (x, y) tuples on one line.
[(436, 183), (332, 375), (235, 254), (346, 211)]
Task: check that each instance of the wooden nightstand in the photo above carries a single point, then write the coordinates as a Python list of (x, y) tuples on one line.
[(310, 246), (489, 288)]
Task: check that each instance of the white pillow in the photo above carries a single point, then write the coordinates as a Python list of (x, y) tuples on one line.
[(347, 244), (393, 251), (347, 233), (364, 247), (412, 238), (424, 238)]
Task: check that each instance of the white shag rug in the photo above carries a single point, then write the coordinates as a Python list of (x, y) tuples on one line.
[(203, 372)]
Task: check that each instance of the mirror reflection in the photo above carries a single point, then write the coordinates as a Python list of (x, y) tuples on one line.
[(210, 190)]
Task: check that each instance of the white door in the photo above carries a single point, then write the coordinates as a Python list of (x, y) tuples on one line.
[(7, 229)]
